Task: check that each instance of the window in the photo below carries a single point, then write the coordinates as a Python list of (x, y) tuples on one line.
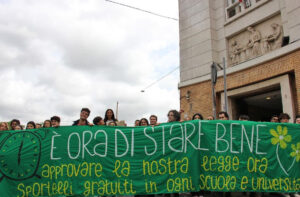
[(234, 7)]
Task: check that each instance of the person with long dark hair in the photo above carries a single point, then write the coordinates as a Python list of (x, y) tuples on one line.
[(30, 125), (144, 122), (109, 116), (197, 116), (173, 116), (47, 124)]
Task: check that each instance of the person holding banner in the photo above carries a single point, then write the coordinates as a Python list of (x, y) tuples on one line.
[(18, 127), (55, 121), (137, 123), (98, 121), (244, 117), (210, 117), (14, 123), (274, 118), (144, 122), (284, 118), (197, 116), (223, 115), (173, 116), (47, 124), (30, 125), (84, 114), (3, 126), (153, 120), (109, 117)]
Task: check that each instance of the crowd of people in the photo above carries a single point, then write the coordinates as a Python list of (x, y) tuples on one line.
[(173, 116), (110, 120)]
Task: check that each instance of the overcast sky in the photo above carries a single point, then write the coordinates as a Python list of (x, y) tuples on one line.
[(59, 56)]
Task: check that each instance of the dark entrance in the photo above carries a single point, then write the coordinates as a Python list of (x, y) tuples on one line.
[(260, 106)]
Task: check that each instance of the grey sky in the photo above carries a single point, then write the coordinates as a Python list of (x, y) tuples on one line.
[(59, 56)]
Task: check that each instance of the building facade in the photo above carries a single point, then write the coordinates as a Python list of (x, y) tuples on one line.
[(260, 43)]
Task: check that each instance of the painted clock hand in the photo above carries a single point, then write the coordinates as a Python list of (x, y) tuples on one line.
[(19, 154)]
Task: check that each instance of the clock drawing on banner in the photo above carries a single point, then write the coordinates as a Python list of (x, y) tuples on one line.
[(20, 155)]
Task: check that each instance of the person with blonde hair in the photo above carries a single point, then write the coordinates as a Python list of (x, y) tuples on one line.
[(3, 126)]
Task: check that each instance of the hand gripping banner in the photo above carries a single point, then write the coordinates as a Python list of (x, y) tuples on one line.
[(177, 157)]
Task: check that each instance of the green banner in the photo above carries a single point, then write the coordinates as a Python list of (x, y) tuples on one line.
[(169, 158)]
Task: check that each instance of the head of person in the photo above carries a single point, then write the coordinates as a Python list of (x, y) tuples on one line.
[(84, 113), (222, 115), (98, 120), (153, 120), (244, 117), (274, 118), (144, 122), (197, 116), (251, 29), (137, 123), (47, 124), (18, 127), (109, 115), (297, 119), (30, 125), (3, 126), (38, 125), (284, 118), (210, 118), (55, 121), (173, 116), (14, 123)]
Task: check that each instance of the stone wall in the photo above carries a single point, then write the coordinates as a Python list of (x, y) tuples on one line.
[(200, 94)]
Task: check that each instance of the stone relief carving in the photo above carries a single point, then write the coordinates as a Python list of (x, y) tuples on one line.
[(254, 42), (236, 51)]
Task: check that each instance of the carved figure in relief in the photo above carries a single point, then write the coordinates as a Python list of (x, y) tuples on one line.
[(236, 51), (266, 47), (274, 38), (254, 41)]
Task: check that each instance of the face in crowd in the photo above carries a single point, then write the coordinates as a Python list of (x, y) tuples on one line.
[(84, 115), (3, 126), (30, 125), (222, 116), (171, 117), (13, 124), (297, 120), (47, 123), (18, 127), (210, 118), (153, 120), (109, 114), (55, 121), (274, 119), (137, 123), (37, 126), (284, 120), (144, 122), (101, 122)]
